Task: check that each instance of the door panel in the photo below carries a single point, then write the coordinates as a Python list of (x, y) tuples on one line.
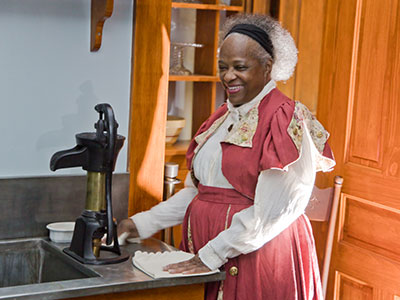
[(363, 223), (373, 68), (359, 104), (353, 289)]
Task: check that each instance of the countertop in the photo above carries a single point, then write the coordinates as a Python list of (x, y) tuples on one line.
[(114, 278)]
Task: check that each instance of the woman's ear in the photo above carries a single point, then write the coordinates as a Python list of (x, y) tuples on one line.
[(268, 68)]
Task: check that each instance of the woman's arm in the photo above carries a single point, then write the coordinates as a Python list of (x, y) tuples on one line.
[(167, 213)]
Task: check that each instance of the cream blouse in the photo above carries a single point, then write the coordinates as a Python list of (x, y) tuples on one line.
[(280, 197)]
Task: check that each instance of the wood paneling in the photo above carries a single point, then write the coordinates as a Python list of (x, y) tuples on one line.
[(367, 138), (203, 103), (260, 6), (304, 20), (309, 58), (352, 289), (148, 110), (207, 23), (289, 16), (335, 79), (363, 222), (186, 292), (376, 270), (358, 104)]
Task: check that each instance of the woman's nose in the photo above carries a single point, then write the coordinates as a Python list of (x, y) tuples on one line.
[(229, 75)]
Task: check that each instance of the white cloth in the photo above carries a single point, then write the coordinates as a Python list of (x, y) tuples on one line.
[(153, 263), (280, 198)]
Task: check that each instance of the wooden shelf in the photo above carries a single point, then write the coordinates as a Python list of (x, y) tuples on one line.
[(208, 18), (202, 78), (179, 148), (206, 6)]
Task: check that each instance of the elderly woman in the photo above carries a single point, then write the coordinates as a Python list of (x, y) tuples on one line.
[(252, 166)]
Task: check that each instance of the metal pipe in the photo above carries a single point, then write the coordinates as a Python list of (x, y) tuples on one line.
[(96, 191), (170, 181), (96, 200)]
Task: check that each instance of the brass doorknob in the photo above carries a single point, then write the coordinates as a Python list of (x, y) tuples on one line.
[(233, 271)]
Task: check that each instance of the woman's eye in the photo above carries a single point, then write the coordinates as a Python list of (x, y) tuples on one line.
[(241, 68), (222, 68)]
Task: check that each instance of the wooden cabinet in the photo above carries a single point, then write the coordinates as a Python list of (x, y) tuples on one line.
[(150, 83), (206, 92), (209, 16)]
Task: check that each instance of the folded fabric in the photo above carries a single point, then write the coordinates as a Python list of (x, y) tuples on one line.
[(152, 263), (134, 240), (123, 240)]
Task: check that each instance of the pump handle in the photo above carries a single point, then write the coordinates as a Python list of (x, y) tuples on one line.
[(110, 126)]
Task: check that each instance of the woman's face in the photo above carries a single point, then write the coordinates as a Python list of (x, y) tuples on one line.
[(242, 75)]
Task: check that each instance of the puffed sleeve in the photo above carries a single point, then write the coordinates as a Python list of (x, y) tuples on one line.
[(279, 150), (282, 145)]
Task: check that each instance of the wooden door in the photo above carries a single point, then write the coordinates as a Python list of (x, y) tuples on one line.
[(359, 103)]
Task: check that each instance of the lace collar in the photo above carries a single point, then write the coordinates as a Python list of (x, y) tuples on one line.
[(245, 119)]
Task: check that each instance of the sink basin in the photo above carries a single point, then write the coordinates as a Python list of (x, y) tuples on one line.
[(37, 261)]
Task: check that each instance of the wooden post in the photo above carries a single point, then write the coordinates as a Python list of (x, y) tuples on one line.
[(149, 100)]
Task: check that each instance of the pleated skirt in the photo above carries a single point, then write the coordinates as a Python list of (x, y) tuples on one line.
[(285, 268)]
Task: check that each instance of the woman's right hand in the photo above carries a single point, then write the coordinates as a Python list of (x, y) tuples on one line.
[(127, 228)]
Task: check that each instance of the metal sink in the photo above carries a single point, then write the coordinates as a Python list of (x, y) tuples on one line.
[(37, 261)]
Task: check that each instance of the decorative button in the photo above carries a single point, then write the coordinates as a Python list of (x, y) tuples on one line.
[(319, 134), (295, 131), (233, 271)]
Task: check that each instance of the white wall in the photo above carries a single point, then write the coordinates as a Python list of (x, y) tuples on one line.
[(50, 81)]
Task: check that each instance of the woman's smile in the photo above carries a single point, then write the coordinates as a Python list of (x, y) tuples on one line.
[(234, 89)]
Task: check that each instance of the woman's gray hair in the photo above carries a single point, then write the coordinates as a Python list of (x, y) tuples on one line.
[(284, 48)]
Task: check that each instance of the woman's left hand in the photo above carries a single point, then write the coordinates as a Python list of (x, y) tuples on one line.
[(191, 266)]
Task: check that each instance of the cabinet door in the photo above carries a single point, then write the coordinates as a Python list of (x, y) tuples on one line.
[(359, 103)]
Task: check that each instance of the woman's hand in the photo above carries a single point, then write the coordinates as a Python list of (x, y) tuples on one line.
[(191, 266), (127, 226)]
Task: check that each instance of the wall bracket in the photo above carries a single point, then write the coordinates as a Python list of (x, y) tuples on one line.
[(101, 10)]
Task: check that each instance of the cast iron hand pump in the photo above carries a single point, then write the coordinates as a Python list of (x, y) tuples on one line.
[(96, 152)]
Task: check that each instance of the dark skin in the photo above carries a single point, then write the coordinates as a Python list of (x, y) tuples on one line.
[(243, 78)]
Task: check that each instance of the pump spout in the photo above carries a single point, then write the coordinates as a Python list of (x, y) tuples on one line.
[(74, 157)]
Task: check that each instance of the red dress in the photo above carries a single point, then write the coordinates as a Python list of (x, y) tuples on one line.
[(286, 267)]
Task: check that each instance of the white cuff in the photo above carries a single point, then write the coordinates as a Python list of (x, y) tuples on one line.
[(144, 224), (210, 258)]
